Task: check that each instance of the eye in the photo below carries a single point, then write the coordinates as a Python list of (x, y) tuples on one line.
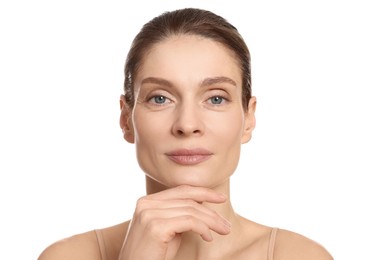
[(216, 100), (159, 100)]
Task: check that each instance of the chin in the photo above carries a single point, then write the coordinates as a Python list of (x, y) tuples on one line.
[(197, 180), (201, 175)]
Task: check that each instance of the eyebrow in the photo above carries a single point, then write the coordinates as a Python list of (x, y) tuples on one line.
[(216, 80), (204, 83), (158, 81)]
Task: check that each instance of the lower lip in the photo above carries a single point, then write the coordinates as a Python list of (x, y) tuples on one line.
[(189, 159)]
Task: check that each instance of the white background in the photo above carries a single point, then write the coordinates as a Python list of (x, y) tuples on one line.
[(65, 169)]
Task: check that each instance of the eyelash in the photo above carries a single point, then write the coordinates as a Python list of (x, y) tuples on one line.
[(152, 100), (167, 100), (224, 99)]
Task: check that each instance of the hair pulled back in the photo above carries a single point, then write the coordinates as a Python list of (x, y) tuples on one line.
[(188, 21)]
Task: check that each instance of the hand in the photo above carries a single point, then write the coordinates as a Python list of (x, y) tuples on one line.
[(160, 219)]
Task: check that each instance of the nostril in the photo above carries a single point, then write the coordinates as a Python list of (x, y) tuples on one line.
[(186, 131)]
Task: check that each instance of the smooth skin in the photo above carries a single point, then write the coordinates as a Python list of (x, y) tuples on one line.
[(188, 96)]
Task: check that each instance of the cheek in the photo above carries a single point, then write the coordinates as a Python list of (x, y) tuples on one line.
[(229, 140), (226, 140), (228, 128), (147, 126)]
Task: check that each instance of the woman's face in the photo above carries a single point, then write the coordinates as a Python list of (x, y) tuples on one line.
[(188, 122)]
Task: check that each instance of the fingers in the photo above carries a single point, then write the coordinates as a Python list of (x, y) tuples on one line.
[(168, 228), (199, 194), (184, 200), (160, 218), (146, 203), (178, 225), (179, 210), (187, 215)]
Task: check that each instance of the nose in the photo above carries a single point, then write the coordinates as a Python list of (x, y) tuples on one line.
[(188, 121)]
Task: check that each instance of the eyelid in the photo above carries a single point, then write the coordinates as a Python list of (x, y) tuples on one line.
[(219, 96), (219, 93), (225, 101), (151, 97), (158, 93)]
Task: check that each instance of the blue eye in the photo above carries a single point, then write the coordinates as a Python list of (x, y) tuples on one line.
[(159, 99), (216, 100)]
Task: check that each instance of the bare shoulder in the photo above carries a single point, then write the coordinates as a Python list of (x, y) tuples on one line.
[(81, 246), (290, 245), (86, 246)]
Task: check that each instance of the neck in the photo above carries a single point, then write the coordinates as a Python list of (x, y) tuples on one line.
[(192, 245)]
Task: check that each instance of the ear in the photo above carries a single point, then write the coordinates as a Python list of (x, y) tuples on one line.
[(125, 120), (250, 121)]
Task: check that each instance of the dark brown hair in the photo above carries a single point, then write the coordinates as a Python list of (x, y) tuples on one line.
[(189, 21)]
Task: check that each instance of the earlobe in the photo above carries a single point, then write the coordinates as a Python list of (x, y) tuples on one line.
[(250, 121), (125, 120)]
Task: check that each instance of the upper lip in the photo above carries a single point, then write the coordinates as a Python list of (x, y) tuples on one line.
[(189, 152)]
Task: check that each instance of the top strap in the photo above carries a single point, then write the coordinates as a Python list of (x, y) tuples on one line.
[(271, 244), (101, 244)]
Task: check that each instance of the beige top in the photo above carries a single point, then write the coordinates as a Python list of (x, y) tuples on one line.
[(101, 244), (271, 244)]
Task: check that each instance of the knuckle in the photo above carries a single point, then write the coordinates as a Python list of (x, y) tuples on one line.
[(215, 214), (158, 229), (144, 216), (191, 203), (155, 226), (140, 201), (189, 219), (190, 210), (141, 204)]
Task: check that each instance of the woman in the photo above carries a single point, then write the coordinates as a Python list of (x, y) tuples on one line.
[(188, 108)]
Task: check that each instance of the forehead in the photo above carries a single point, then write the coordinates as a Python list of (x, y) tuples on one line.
[(189, 57)]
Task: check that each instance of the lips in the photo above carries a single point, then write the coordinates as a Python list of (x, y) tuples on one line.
[(189, 156)]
